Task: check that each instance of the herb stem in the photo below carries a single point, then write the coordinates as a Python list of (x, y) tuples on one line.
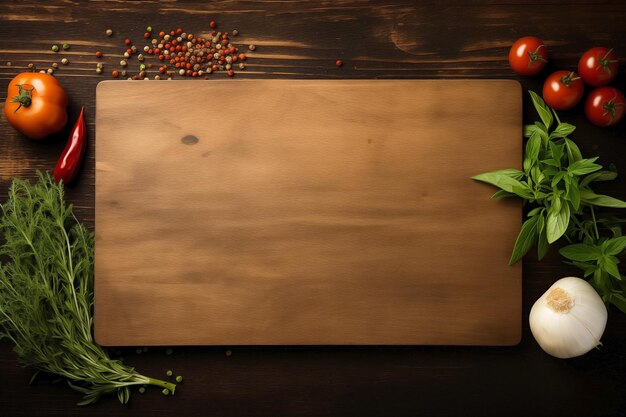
[(595, 223)]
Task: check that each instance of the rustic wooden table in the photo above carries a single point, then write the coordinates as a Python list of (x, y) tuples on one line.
[(426, 39)]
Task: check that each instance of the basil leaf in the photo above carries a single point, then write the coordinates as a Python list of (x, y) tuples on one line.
[(533, 146), (525, 239), (599, 176), (580, 252), (618, 301), (558, 220), (501, 194), (528, 130), (562, 130), (573, 152), (584, 166), (524, 191), (535, 211), (573, 194), (610, 266), (542, 244), (615, 246), (589, 197), (542, 109), (505, 179), (557, 152)]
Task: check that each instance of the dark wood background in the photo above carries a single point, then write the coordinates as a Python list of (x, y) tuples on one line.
[(302, 39)]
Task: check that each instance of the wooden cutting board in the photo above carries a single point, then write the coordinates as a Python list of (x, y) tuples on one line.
[(270, 212)]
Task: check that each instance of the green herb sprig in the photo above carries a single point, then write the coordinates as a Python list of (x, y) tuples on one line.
[(46, 293), (555, 183)]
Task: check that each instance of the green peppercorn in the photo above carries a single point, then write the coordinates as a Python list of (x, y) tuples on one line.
[(55, 48), (149, 29), (179, 378), (98, 70), (169, 373), (165, 391), (142, 390), (66, 46), (142, 67)]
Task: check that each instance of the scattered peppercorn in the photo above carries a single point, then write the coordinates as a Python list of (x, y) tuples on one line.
[(115, 73), (179, 379), (169, 351), (123, 63), (31, 65), (242, 66), (251, 47), (142, 390), (65, 61), (213, 24), (235, 32), (109, 32), (50, 71), (55, 65), (142, 67), (66, 46), (169, 373), (98, 70), (165, 391), (98, 54), (146, 35), (99, 65), (55, 48), (149, 29), (339, 63)]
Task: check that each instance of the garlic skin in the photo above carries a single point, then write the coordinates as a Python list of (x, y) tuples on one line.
[(569, 319)]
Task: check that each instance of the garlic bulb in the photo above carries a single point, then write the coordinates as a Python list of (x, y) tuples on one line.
[(568, 320)]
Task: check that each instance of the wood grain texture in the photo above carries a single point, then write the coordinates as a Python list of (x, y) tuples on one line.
[(323, 212), (414, 39)]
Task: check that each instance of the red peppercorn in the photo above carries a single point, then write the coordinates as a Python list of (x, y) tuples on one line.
[(98, 54), (242, 57), (188, 66), (184, 48), (161, 34), (214, 67), (172, 33), (172, 49), (157, 51), (168, 45), (231, 73), (188, 72), (129, 51), (127, 42), (177, 65), (235, 58), (194, 74), (232, 50), (213, 24), (207, 44), (134, 77), (177, 49), (179, 31), (146, 35), (115, 74), (190, 36), (206, 77), (161, 57), (339, 63), (150, 52)]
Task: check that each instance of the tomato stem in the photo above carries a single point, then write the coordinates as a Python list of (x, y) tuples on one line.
[(567, 80), (534, 56), (24, 97)]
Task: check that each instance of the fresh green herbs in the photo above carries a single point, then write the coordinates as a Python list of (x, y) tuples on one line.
[(556, 185), (46, 293)]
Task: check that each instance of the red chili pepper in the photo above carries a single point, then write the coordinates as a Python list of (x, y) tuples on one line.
[(71, 159)]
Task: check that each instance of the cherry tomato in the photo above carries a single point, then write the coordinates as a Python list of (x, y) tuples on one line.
[(528, 55), (562, 90), (598, 66), (605, 106)]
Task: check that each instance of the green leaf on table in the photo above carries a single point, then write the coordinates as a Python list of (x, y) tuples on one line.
[(580, 252), (609, 264), (533, 146), (599, 176), (505, 179), (525, 240), (501, 194), (562, 130), (584, 166), (614, 246), (589, 197), (542, 244), (558, 220), (573, 152), (544, 111)]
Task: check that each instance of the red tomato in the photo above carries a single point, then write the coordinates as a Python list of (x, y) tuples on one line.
[(528, 55), (605, 106), (598, 66), (562, 90)]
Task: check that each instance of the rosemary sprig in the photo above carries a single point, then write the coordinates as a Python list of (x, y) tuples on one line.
[(46, 293)]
